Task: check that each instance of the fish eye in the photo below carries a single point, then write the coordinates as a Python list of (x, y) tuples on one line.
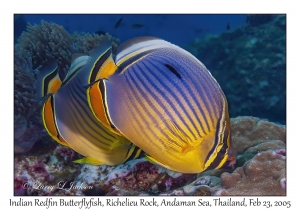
[(223, 150)]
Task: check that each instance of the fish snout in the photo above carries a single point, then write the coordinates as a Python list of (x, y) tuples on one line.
[(229, 164)]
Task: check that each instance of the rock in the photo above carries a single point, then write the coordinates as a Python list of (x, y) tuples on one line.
[(250, 131), (250, 153), (268, 145), (132, 177), (43, 174), (265, 174)]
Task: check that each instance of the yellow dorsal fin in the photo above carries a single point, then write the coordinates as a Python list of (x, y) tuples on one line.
[(48, 80), (89, 160)]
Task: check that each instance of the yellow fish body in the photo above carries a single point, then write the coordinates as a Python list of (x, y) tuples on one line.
[(69, 120), (166, 102)]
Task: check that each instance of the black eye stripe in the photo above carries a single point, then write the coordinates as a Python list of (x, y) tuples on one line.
[(221, 153), (173, 70), (48, 79), (225, 137)]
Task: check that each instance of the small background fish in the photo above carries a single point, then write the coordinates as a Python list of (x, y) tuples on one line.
[(118, 23), (137, 26)]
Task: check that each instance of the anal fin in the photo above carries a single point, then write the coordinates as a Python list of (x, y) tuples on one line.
[(153, 160), (89, 160)]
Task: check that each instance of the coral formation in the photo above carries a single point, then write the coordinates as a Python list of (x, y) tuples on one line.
[(25, 98), (133, 176), (86, 42), (51, 41), (265, 174), (252, 135), (259, 19), (45, 42), (250, 131), (28, 127), (249, 63), (44, 174), (261, 165)]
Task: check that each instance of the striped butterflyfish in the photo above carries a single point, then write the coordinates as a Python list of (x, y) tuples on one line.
[(69, 120), (166, 102)]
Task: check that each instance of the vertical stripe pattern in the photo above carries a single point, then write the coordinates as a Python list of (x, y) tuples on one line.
[(176, 109), (68, 117)]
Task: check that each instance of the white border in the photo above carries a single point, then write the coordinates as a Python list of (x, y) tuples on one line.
[(8, 8)]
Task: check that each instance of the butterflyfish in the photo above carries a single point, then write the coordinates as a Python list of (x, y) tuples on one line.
[(69, 120), (165, 101)]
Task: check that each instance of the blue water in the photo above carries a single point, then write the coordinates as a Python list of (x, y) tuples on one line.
[(178, 29), (263, 85)]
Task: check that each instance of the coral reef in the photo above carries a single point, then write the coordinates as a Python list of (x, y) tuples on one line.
[(28, 127), (252, 135), (200, 187), (260, 169), (249, 63), (265, 174), (51, 41), (34, 48), (25, 98), (45, 42), (259, 19), (46, 173), (250, 131), (134, 176), (86, 42), (261, 163)]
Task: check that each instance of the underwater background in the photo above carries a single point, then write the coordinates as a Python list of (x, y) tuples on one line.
[(177, 29), (246, 54)]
